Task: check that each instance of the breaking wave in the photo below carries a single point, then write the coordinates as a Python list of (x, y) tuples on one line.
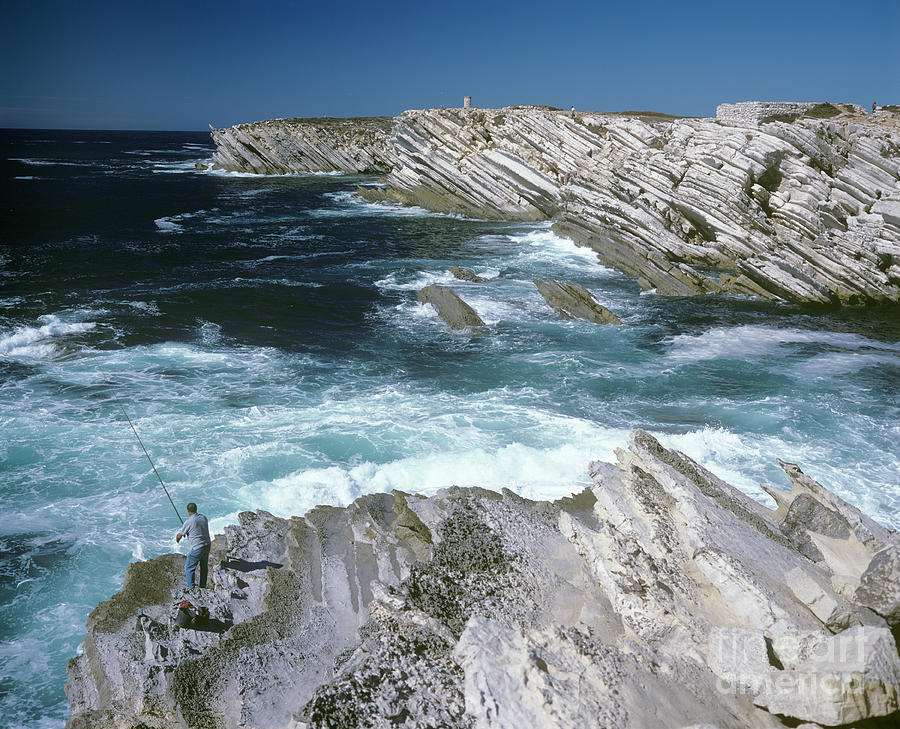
[(40, 342)]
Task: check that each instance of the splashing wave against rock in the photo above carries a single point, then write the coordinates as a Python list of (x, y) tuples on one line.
[(661, 596)]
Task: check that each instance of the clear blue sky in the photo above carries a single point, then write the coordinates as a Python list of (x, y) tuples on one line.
[(181, 65)]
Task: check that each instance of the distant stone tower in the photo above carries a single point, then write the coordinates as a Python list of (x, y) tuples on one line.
[(467, 102)]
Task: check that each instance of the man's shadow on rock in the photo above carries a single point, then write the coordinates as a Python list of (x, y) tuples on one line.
[(242, 565), (211, 625)]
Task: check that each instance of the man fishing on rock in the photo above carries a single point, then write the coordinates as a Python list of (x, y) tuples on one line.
[(196, 529)]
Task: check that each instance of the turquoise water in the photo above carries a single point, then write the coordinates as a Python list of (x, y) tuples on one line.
[(264, 337)]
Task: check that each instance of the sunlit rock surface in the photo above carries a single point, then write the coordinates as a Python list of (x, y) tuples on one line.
[(285, 146), (573, 301), (449, 307), (661, 596), (805, 210)]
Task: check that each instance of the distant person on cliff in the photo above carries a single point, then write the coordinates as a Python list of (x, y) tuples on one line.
[(873, 107), (196, 529), (573, 112)]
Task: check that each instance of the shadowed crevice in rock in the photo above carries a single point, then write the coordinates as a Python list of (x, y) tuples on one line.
[(213, 625)]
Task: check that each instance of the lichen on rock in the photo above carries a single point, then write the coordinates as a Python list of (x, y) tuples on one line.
[(660, 596)]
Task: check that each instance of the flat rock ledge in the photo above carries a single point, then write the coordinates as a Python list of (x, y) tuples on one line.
[(574, 301), (658, 597), (452, 309)]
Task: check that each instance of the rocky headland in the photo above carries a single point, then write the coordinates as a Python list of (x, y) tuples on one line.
[(658, 597), (279, 146), (795, 202)]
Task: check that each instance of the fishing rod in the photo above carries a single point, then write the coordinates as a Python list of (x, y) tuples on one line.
[(148, 458)]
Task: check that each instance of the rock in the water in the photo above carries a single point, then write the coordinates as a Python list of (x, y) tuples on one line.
[(659, 597), (465, 274), (573, 301), (452, 309)]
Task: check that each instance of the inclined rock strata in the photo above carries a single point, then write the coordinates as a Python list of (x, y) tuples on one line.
[(879, 586), (571, 300), (807, 211), (659, 597), (452, 309), (465, 274), (281, 146)]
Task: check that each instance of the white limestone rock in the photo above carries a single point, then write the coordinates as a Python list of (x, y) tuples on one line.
[(811, 675), (834, 680), (561, 679), (685, 205), (879, 584), (282, 146), (661, 597), (740, 658)]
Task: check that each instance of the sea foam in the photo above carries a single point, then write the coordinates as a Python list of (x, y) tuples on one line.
[(350, 204), (50, 162), (753, 341), (168, 225), (173, 223), (40, 342)]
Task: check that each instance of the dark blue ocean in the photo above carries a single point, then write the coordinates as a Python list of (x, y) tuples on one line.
[(264, 337)]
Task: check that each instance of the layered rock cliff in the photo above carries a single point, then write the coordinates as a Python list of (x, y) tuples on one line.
[(281, 146), (807, 210), (659, 597)]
